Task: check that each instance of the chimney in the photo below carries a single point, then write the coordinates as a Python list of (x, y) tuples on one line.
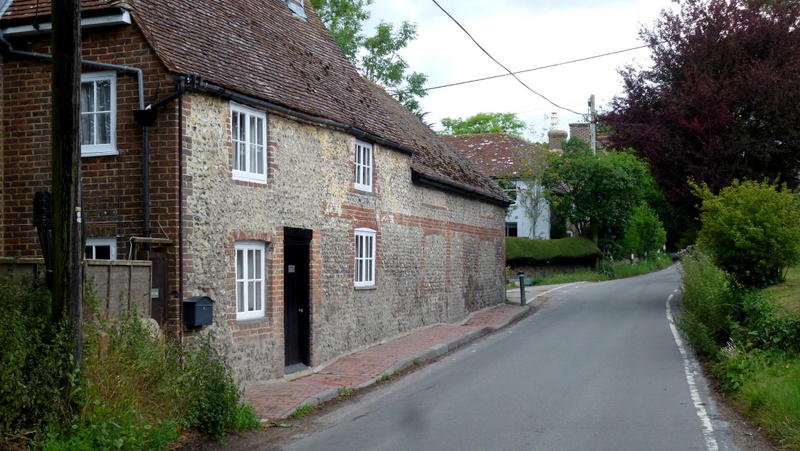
[(297, 7), (555, 137), (580, 130)]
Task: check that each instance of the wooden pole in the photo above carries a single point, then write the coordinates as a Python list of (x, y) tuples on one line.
[(66, 164)]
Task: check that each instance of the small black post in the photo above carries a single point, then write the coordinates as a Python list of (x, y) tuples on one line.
[(522, 300), (632, 256), (43, 221)]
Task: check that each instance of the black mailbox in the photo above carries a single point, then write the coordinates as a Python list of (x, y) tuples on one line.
[(198, 311)]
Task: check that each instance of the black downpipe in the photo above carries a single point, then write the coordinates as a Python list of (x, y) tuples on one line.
[(181, 88), (146, 179)]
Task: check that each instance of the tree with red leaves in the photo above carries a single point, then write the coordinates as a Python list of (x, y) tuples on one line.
[(721, 101)]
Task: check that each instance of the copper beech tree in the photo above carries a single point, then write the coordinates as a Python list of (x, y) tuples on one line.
[(720, 101)]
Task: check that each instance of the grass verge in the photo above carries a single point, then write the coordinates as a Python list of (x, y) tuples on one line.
[(620, 270)]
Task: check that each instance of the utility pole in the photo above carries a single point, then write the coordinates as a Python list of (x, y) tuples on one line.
[(592, 124), (66, 166)]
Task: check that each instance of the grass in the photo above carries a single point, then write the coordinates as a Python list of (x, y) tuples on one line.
[(788, 292), (302, 411), (771, 394), (621, 269), (772, 397)]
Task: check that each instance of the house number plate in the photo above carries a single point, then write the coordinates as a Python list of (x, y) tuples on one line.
[(291, 269)]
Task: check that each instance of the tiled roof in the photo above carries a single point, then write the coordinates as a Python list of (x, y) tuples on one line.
[(260, 49), (436, 158), (496, 153), (23, 9)]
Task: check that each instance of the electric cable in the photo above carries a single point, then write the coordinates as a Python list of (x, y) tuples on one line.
[(537, 68), (498, 62)]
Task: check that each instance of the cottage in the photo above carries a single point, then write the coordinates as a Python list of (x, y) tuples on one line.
[(505, 157), (233, 146)]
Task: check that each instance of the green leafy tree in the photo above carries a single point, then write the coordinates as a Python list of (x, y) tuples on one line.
[(484, 123), (645, 234), (751, 230), (597, 194), (375, 57)]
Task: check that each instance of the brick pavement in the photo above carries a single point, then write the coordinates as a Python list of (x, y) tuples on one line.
[(278, 399)]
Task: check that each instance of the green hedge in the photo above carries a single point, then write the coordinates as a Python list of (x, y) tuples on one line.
[(522, 251)]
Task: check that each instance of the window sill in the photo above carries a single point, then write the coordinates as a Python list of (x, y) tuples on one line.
[(366, 288), (245, 321)]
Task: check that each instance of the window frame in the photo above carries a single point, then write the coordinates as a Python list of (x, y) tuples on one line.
[(260, 278), (364, 258), (95, 242), (249, 174), (364, 173), (103, 149)]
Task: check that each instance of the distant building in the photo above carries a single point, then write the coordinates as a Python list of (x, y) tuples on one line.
[(502, 156)]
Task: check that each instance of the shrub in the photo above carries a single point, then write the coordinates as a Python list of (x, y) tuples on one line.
[(36, 354), (214, 399), (750, 230)]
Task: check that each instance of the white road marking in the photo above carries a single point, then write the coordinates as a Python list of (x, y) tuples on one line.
[(708, 429)]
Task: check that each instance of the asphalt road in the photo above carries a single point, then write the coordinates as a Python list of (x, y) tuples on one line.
[(598, 368)]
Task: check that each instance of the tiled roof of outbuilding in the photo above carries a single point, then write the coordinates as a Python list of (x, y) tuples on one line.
[(259, 48), (496, 153)]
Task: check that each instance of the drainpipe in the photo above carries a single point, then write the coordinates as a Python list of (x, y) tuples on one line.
[(180, 92)]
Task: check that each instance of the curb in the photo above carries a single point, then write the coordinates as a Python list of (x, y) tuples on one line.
[(427, 355)]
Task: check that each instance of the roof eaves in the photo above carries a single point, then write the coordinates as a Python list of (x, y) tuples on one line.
[(252, 101), (465, 190)]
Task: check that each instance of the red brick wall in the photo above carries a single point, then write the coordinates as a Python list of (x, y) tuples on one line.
[(112, 185)]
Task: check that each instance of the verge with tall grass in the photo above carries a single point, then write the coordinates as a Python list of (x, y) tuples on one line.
[(748, 340), (138, 390)]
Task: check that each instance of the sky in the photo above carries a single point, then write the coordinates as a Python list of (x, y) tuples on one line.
[(522, 35)]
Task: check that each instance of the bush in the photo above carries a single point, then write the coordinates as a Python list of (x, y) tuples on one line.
[(36, 354), (214, 405), (750, 230)]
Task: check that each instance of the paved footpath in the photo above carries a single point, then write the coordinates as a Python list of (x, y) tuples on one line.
[(279, 399)]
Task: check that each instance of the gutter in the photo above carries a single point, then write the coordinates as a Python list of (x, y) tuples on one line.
[(459, 188)]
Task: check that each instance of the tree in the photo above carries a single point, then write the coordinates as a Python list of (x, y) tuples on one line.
[(375, 57), (534, 162), (645, 233), (484, 123), (598, 194), (720, 101), (750, 229)]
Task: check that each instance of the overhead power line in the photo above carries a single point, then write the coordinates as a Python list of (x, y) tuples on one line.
[(500, 64), (536, 68)]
